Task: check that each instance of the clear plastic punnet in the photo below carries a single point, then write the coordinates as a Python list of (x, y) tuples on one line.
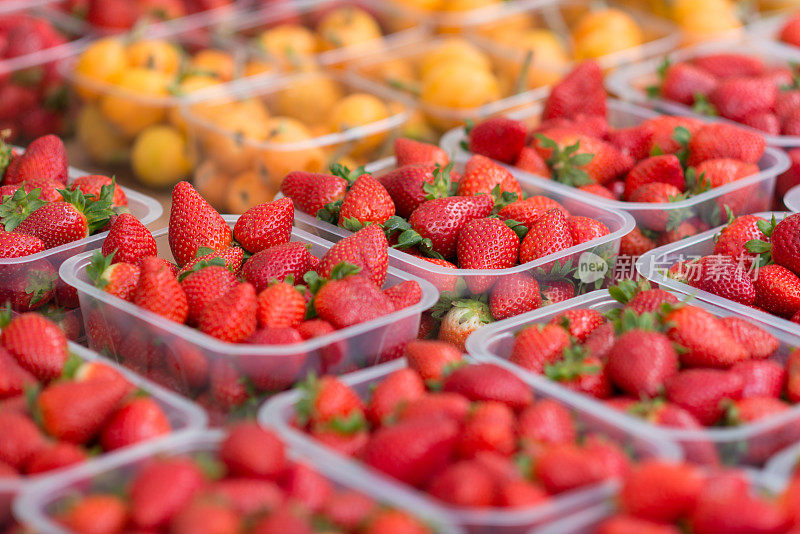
[(37, 507), (750, 194), (655, 263), (792, 198), (186, 419), (631, 82), (163, 349), (279, 413), (750, 444), (588, 266), (785, 463)]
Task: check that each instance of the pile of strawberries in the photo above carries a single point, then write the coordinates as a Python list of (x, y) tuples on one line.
[(32, 100), (661, 160), (668, 498), (58, 410), (248, 484), (39, 210), (736, 86), (671, 363), (470, 435), (756, 262)]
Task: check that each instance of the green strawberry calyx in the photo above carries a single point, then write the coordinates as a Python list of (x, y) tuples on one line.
[(97, 210), (17, 207), (572, 365), (653, 91), (408, 237), (625, 290), (40, 284), (761, 247), (97, 267), (565, 163), (442, 185), (343, 171)]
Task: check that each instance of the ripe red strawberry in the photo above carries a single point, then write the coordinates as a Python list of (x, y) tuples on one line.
[(193, 224), (367, 201), (732, 238), (311, 192), (441, 219), (682, 82), (488, 382), (366, 249), (431, 359), (46, 157), (737, 98), (582, 372), (539, 345), (721, 171), (546, 422), (482, 175), (404, 294), (600, 341), (581, 91), (486, 244), (759, 343), (390, 520), (277, 263), (625, 524), (530, 161), (646, 301), (206, 516), (657, 193), (348, 509), (352, 300), (498, 138), (579, 323), (96, 513), (548, 234), (92, 184), (13, 378), (585, 229), (400, 387), (663, 169), (233, 257), (409, 152), (48, 190), (21, 439), (634, 141), (411, 451), (280, 305), (790, 32), (777, 290), (160, 292), (463, 318), (566, 467), (765, 121), (594, 160), (411, 185), (528, 210), (17, 245), (77, 411), (139, 420), (640, 361), (635, 244), (440, 405), (786, 103), (762, 378), (118, 279), (707, 341), (736, 511), (284, 520), (161, 489), (723, 276), (204, 286), (38, 345), (730, 65), (247, 495), (328, 399), (514, 294), (265, 225), (720, 140), (226, 386), (489, 427), (786, 244), (661, 491), (463, 484), (663, 130), (232, 317), (253, 452), (703, 392), (129, 240)]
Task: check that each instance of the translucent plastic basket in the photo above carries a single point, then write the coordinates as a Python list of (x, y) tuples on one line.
[(232, 165), (792, 199), (123, 330), (748, 444), (630, 82), (659, 35), (586, 521), (747, 195), (652, 265), (506, 69), (279, 413), (186, 419), (580, 256), (36, 507)]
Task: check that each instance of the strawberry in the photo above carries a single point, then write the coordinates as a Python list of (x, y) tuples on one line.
[(765, 121), (280, 305), (411, 185), (283, 520), (528, 210), (663, 130), (498, 138), (548, 234), (793, 376), (486, 244), (659, 169), (139, 420), (404, 294), (311, 192), (445, 405), (514, 294), (634, 141), (92, 184), (762, 378), (737, 98), (265, 225), (17, 245), (539, 345), (732, 238), (118, 279), (579, 323), (777, 290), (720, 140), (21, 196), (530, 161), (203, 287), (682, 82), (277, 263), (482, 175), (411, 451), (658, 193), (331, 354), (706, 340), (723, 276), (785, 243), (584, 229), (736, 512), (247, 495), (410, 152), (253, 452), (721, 171), (577, 159), (566, 467), (703, 392), (640, 361), (232, 317), (21, 439), (641, 301), (367, 201), (431, 359), (546, 422), (759, 343), (226, 385), (636, 243), (328, 399), (400, 387), (46, 157), (462, 319), (304, 484), (580, 91), (348, 509), (351, 300), (395, 521), (463, 484), (206, 516), (489, 427), (582, 372), (730, 65), (790, 31), (160, 292), (161, 489), (624, 524), (13, 378), (600, 341), (366, 249), (660, 491), (58, 223), (193, 224), (232, 256), (488, 382), (129, 240), (786, 103), (94, 514), (37, 344), (790, 123)]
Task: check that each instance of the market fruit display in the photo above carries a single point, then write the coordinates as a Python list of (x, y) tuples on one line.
[(115, 16), (661, 160), (248, 477), (674, 364), (247, 140), (470, 435)]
